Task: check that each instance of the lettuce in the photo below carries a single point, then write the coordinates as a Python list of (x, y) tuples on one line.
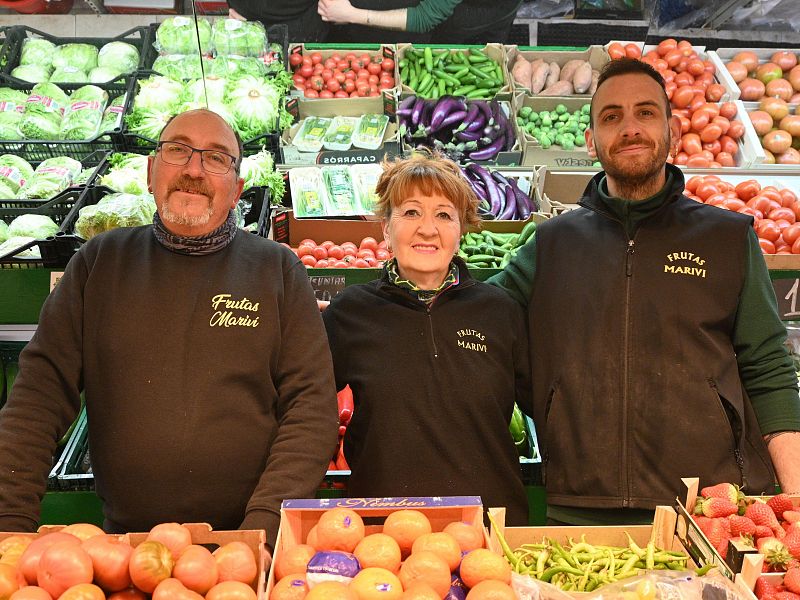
[(3, 230), (180, 67), (14, 243), (6, 193), (177, 35), (241, 38), (160, 93), (113, 211), (119, 56), (236, 66), (38, 227), (51, 177), (84, 113), (211, 88), (37, 51), (258, 170), (42, 116), (32, 73), (128, 173), (104, 74), (14, 172), (80, 56), (12, 103), (112, 116), (68, 74), (257, 105)]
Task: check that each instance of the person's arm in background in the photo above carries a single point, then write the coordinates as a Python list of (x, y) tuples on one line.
[(306, 409), (419, 19), (43, 403), (516, 279), (766, 369)]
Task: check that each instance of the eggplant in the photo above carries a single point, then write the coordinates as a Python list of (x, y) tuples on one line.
[(404, 113), (406, 103), (446, 106), (427, 112), (483, 106), (510, 208), (525, 204), (492, 191), (490, 151), (472, 113), (485, 214), (450, 120), (416, 113), (478, 123), (468, 136)]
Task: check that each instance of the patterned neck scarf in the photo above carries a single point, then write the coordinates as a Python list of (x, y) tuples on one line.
[(426, 296), (204, 244)]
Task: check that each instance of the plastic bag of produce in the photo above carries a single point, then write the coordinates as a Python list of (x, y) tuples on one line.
[(68, 74), (119, 56), (112, 116), (37, 51), (38, 227), (3, 231), (31, 73), (8, 247), (84, 113), (43, 110), (240, 38), (236, 66), (14, 172), (128, 173), (180, 67), (51, 177), (113, 211), (81, 56), (177, 35), (12, 106)]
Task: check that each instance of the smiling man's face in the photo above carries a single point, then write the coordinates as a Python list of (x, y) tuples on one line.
[(191, 201)]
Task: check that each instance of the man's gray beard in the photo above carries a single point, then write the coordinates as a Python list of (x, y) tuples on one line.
[(182, 219)]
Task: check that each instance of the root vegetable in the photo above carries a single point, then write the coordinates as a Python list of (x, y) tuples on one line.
[(552, 75), (539, 77), (521, 71), (582, 78), (560, 88)]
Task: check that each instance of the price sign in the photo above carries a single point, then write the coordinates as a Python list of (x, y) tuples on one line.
[(787, 292), (326, 287)]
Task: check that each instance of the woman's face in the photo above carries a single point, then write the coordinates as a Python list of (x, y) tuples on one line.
[(423, 233)]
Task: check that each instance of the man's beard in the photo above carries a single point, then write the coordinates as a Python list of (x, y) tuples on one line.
[(187, 184), (636, 178)]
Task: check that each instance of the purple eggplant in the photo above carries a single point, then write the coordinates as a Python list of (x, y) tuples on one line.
[(427, 112), (445, 106), (416, 113), (407, 102), (490, 151), (449, 121), (492, 191), (472, 113), (468, 136), (510, 208), (525, 204), (483, 106)]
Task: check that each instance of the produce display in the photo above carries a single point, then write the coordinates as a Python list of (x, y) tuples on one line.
[(557, 126), (462, 129), (433, 73), (776, 212), (334, 190), (500, 197), (22, 231), (779, 77), (80, 562), (778, 130), (347, 75), (768, 587), (490, 250), (368, 253), (114, 211), (551, 79)]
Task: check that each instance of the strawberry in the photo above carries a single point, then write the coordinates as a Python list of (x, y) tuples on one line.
[(718, 536), (761, 514), (792, 580), (741, 526), (793, 516), (766, 586), (775, 553), (780, 504), (728, 491), (762, 531), (786, 596), (792, 543), (718, 507)]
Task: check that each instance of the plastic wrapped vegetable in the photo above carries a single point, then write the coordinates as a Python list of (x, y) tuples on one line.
[(32, 73), (236, 66), (68, 74), (80, 56), (50, 177), (6, 191), (38, 227), (14, 172), (128, 173), (180, 67), (14, 243), (37, 51), (241, 38), (104, 74), (212, 88), (365, 180), (84, 113), (119, 56), (3, 231), (112, 116), (114, 211), (258, 170), (177, 35), (12, 105), (339, 185), (258, 106), (42, 116)]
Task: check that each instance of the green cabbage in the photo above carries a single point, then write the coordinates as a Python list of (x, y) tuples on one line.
[(211, 88), (119, 56), (6, 193), (12, 103), (258, 106), (42, 116), (51, 177), (159, 93), (80, 56), (39, 227), (177, 35), (84, 113), (3, 230), (14, 172), (241, 38), (180, 67), (37, 51), (113, 211), (128, 173), (236, 66), (13, 243), (112, 117), (32, 73), (68, 74), (258, 170), (104, 74)]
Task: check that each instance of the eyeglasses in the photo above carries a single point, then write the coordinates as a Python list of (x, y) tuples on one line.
[(213, 161)]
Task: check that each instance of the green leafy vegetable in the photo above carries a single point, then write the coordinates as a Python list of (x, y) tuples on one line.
[(14, 172), (236, 66), (80, 56), (68, 74), (113, 211), (258, 170), (128, 173), (32, 73), (14, 243), (3, 231), (120, 56), (104, 74), (112, 116), (38, 227), (241, 38), (84, 113), (42, 116), (50, 177), (12, 105), (180, 67), (258, 106), (37, 51), (176, 35)]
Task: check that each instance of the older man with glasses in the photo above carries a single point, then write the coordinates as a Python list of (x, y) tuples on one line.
[(191, 340)]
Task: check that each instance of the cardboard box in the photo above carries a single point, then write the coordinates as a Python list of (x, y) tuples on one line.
[(596, 55), (330, 107), (287, 229), (559, 191), (527, 180), (299, 516)]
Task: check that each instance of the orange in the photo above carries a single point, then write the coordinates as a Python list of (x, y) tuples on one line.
[(491, 589), (378, 550), (311, 538), (426, 567), (482, 564), (442, 544), (331, 590), (419, 590), (405, 526), (374, 583), (293, 560), (339, 529), (467, 536), (291, 587)]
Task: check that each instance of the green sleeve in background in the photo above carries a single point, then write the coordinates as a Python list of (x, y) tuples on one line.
[(765, 367), (428, 14), (517, 277)]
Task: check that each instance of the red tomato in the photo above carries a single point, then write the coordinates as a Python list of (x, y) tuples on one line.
[(387, 64), (710, 133), (374, 68), (340, 264), (767, 247), (326, 74), (349, 86), (151, 563), (295, 59), (633, 51), (784, 213), (326, 94), (196, 568), (714, 92), (729, 145), (697, 162), (326, 244), (752, 212), (333, 85), (306, 71), (319, 253), (317, 82), (714, 147), (723, 123), (725, 159), (83, 591), (336, 252), (129, 594), (299, 81), (309, 93), (787, 197), (768, 230), (83, 531), (682, 96), (316, 57), (360, 263), (231, 590), (706, 189), (339, 76), (386, 82), (369, 243), (349, 248), (31, 592), (304, 250), (681, 158), (110, 558), (373, 80), (616, 50), (691, 143), (351, 75), (29, 561), (733, 204), (172, 589), (61, 566), (321, 264), (693, 182), (308, 260), (9, 580), (365, 253), (330, 63), (350, 56)]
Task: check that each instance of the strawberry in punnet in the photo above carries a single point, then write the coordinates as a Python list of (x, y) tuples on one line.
[(763, 531), (741, 526), (761, 514), (718, 507), (776, 555), (792, 580), (766, 587), (792, 543), (786, 596), (780, 504), (718, 535), (728, 491)]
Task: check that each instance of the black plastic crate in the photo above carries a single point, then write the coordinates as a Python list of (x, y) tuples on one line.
[(57, 209), (93, 160), (12, 49)]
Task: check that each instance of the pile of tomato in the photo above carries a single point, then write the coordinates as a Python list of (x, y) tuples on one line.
[(776, 213), (348, 75), (80, 562), (368, 253)]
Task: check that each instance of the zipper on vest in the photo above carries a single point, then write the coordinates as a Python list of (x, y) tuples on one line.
[(628, 264), (625, 366), (433, 339)]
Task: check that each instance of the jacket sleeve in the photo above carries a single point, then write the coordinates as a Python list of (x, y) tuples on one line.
[(765, 367), (522, 365), (337, 341), (428, 14), (306, 411), (44, 401), (516, 278)]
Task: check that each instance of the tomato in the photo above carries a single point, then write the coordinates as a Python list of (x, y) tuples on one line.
[(682, 96), (386, 82), (733, 204), (309, 260), (319, 253), (151, 563), (373, 80), (110, 558), (295, 59), (681, 158), (9, 580), (317, 82), (326, 94), (693, 182), (336, 252), (172, 589), (83, 531), (306, 71), (729, 145), (340, 264), (616, 50), (316, 57), (83, 591), (725, 159), (782, 213), (714, 147), (351, 75), (767, 247), (387, 64), (666, 45), (31, 592), (326, 74), (698, 162), (349, 86), (752, 212), (710, 133), (768, 230), (788, 197), (368, 243), (691, 143), (333, 85), (349, 248), (747, 189), (196, 568), (330, 64), (61, 566), (29, 561), (231, 590), (299, 82), (633, 51), (360, 263), (365, 253), (129, 594)]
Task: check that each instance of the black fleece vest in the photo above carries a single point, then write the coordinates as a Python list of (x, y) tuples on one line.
[(634, 374)]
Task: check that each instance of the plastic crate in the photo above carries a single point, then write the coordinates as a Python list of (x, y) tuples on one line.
[(39, 150), (57, 209), (92, 160), (12, 48), (9, 354), (75, 472)]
